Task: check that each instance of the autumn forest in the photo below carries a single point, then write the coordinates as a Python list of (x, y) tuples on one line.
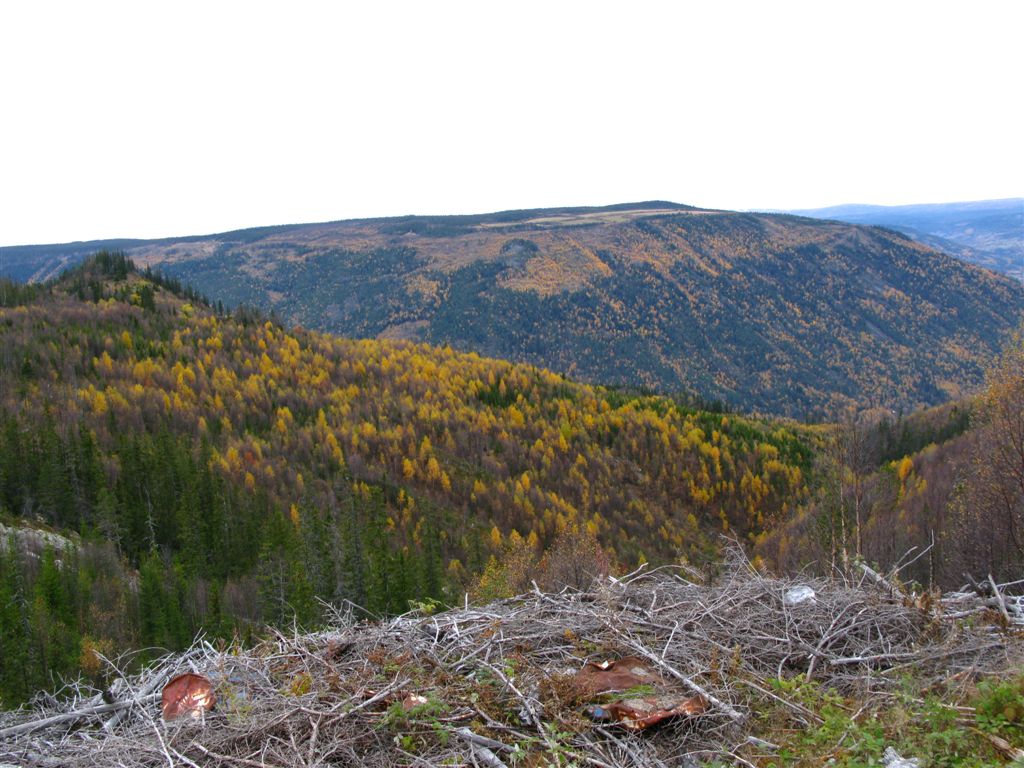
[(168, 468), (243, 470)]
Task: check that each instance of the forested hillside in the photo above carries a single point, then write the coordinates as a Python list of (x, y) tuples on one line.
[(770, 313), (939, 493), (205, 470)]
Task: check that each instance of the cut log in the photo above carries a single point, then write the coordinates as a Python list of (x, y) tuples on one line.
[(693, 686)]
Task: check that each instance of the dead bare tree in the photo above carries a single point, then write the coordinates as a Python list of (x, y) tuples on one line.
[(992, 504)]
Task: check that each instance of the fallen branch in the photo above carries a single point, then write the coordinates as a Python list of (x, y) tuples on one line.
[(482, 747), (887, 584), (1008, 751), (154, 682), (78, 714), (1001, 602)]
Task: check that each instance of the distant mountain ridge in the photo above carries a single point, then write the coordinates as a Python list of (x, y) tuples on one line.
[(767, 312), (37, 263), (985, 232)]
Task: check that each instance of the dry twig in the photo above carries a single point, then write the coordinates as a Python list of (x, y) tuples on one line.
[(497, 679)]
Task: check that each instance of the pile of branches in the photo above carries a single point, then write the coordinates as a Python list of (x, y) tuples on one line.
[(496, 685), (974, 599)]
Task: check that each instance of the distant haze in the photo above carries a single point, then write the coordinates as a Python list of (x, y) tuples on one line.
[(126, 119), (986, 232)]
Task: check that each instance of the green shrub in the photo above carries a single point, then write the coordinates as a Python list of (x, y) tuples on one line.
[(999, 707)]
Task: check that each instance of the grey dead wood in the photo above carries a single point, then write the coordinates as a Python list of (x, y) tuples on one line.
[(336, 696)]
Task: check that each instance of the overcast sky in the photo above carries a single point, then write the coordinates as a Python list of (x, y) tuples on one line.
[(143, 119)]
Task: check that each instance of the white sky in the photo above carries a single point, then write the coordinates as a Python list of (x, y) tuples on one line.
[(146, 119)]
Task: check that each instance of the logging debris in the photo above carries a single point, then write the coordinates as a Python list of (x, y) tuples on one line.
[(515, 680)]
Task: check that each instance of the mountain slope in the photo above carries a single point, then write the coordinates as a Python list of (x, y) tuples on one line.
[(940, 492), (767, 312), (222, 471), (987, 232)]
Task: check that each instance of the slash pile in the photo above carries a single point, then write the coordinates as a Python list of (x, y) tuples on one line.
[(500, 685)]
